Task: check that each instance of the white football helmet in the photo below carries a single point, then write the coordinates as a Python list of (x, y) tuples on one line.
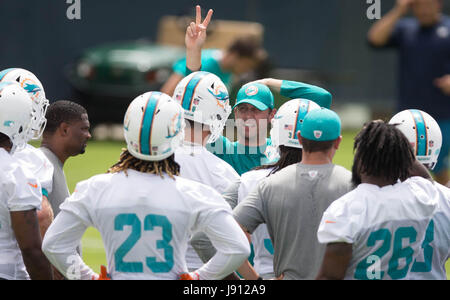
[(286, 123), (15, 114), (205, 100), (35, 90), (423, 133), (153, 126)]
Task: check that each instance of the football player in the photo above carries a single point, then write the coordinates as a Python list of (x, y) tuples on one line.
[(425, 136), (243, 55), (291, 201), (144, 211), (285, 150), (254, 107), (205, 101), (30, 156), (20, 240), (377, 230)]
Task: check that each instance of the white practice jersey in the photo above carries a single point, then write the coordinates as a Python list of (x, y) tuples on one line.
[(262, 244), (36, 161), (198, 164), (386, 226), (435, 251), (145, 222), (20, 191)]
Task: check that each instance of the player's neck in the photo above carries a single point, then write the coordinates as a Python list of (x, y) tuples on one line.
[(198, 137), (317, 158), (381, 182), (7, 146), (56, 148)]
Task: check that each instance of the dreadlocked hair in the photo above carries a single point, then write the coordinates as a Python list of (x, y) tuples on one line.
[(382, 151), (128, 161), (288, 156)]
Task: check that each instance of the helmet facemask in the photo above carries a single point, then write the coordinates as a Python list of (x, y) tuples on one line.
[(31, 84), (422, 132), (205, 100)]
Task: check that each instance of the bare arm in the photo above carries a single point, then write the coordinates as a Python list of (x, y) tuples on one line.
[(231, 244), (200, 241), (246, 269), (60, 244), (381, 31), (418, 169), (335, 261), (195, 38), (45, 216), (171, 83), (274, 84), (26, 229), (443, 83)]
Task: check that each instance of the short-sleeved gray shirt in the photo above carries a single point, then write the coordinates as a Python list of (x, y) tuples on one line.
[(291, 202), (60, 190)]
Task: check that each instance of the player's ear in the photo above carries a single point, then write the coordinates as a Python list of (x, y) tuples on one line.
[(299, 137), (337, 142), (64, 129), (272, 114), (235, 110)]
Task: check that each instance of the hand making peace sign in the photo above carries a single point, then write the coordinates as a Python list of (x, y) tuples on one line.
[(196, 32)]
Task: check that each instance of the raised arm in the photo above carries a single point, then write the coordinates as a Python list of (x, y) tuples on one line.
[(195, 39), (294, 89), (381, 31)]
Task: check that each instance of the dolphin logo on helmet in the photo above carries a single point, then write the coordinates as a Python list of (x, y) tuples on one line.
[(205, 100), (31, 84), (220, 93)]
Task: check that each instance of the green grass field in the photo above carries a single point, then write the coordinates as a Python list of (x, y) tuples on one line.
[(100, 156)]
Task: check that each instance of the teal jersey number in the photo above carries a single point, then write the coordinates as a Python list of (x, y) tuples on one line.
[(408, 233), (364, 269), (379, 235), (120, 222), (426, 265), (150, 222)]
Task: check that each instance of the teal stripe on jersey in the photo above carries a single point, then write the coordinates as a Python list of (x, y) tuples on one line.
[(147, 121), (421, 131), (190, 89), (4, 72)]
